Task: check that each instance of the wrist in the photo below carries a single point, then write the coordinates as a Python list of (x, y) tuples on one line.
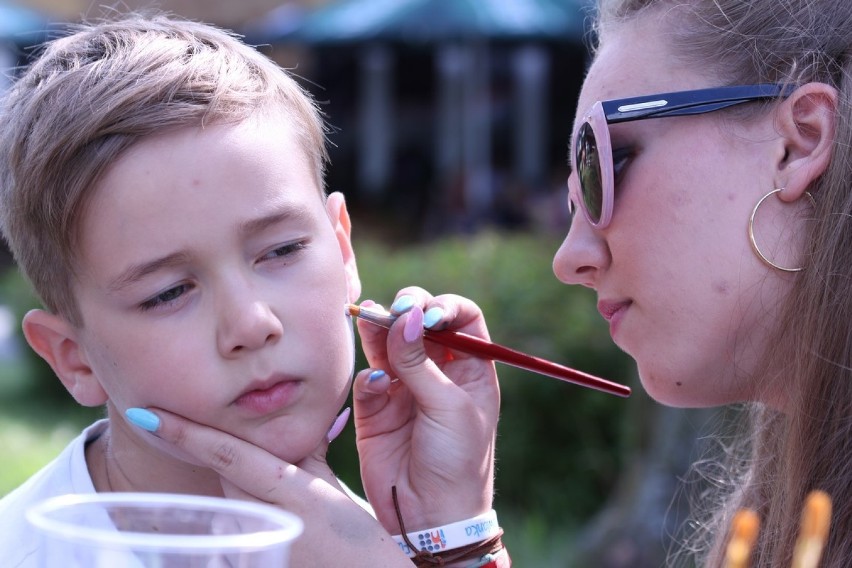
[(444, 510), (419, 513)]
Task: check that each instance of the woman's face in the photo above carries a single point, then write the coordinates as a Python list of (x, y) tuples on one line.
[(674, 273)]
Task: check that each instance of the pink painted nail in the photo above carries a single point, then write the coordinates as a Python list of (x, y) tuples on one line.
[(339, 424), (414, 325)]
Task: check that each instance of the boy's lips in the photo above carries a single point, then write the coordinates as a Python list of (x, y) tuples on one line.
[(266, 396)]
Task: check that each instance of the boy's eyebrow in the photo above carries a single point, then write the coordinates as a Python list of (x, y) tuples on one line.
[(252, 226), (139, 271)]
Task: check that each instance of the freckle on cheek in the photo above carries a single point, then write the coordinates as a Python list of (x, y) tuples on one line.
[(678, 383)]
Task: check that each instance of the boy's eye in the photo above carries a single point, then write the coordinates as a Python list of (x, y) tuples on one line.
[(164, 298), (285, 250)]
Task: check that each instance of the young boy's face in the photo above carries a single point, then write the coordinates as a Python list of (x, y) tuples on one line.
[(213, 285)]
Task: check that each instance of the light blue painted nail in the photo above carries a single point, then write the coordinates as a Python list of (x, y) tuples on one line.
[(376, 375), (432, 316), (402, 304), (142, 418)]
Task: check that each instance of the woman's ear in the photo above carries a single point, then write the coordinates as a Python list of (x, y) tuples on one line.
[(335, 206), (806, 121), (55, 340)]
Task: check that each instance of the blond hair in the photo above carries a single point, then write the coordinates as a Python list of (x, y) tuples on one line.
[(810, 445), (95, 93)]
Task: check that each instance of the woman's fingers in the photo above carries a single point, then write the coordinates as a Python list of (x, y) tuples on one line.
[(373, 339), (370, 391), (431, 372)]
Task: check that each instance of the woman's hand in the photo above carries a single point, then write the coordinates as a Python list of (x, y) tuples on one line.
[(431, 432), (335, 526)]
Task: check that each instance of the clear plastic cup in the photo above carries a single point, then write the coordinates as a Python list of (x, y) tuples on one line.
[(148, 530)]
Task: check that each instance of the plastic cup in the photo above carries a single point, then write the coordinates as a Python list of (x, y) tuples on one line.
[(160, 530)]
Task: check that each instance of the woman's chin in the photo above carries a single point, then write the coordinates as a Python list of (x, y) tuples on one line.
[(666, 389)]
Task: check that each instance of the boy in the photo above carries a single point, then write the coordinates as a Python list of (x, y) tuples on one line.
[(162, 189)]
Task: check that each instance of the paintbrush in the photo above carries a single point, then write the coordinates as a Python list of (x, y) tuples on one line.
[(481, 348)]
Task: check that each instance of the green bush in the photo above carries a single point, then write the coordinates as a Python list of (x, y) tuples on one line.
[(32, 373)]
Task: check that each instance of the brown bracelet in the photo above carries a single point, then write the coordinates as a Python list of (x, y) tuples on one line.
[(424, 558), (471, 552)]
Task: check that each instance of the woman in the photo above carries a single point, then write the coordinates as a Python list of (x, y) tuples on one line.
[(714, 225)]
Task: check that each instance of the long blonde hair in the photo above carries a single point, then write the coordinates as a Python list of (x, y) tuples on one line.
[(809, 446)]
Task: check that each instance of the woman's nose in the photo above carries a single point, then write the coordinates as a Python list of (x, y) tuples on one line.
[(582, 254)]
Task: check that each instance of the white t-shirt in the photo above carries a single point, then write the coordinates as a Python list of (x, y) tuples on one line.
[(68, 473)]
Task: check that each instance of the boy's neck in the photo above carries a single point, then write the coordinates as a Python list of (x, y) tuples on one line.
[(132, 467)]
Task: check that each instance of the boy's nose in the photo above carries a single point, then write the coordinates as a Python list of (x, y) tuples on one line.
[(246, 326)]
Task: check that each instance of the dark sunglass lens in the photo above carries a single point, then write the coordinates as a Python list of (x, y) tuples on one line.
[(588, 165)]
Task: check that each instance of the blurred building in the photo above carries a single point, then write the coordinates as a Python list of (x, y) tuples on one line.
[(448, 115)]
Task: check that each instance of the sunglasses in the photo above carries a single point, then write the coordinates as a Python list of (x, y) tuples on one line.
[(591, 154)]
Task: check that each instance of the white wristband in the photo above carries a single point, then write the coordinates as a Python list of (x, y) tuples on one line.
[(452, 536)]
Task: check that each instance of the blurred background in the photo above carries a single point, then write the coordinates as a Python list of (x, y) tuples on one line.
[(449, 128)]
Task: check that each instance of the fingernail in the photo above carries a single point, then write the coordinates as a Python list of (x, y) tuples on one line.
[(339, 424), (376, 375), (414, 325), (432, 316), (142, 418), (402, 304)]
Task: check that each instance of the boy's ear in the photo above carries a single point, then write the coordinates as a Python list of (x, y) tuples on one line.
[(55, 340), (806, 121), (335, 206)]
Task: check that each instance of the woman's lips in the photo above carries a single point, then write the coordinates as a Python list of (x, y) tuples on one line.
[(613, 312), (264, 400)]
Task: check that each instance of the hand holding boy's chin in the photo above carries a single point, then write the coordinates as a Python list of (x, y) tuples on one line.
[(335, 525)]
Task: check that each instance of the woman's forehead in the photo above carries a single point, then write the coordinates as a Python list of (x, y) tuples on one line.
[(635, 58)]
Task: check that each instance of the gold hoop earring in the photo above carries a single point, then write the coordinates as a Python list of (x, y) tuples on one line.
[(751, 238)]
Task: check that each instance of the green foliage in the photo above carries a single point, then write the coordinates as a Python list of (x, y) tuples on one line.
[(33, 432), (33, 428), (17, 294)]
